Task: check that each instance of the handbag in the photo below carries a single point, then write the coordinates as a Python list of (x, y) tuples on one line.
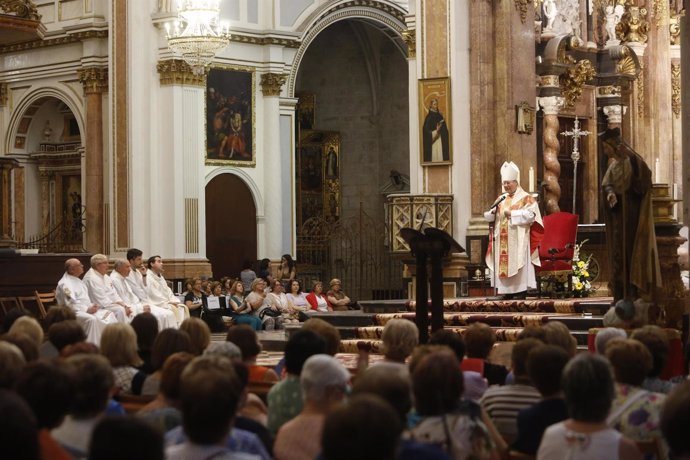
[(268, 311)]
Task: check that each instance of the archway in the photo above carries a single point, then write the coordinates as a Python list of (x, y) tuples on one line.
[(230, 225), (353, 139), (45, 135)]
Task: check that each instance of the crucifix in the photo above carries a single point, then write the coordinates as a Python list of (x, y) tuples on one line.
[(576, 134)]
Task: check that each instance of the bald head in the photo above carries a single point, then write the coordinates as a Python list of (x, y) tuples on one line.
[(74, 267)]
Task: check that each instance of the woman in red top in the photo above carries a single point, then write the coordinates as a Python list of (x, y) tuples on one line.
[(317, 299)]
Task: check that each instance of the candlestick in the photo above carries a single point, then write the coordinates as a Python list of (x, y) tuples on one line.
[(657, 171), (531, 179)]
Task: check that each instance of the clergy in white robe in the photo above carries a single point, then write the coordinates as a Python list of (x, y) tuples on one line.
[(72, 292), (101, 289), (137, 275), (160, 294), (165, 317), (513, 247)]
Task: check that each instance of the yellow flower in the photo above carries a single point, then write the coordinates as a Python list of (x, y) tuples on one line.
[(580, 264), (579, 286), (585, 273)]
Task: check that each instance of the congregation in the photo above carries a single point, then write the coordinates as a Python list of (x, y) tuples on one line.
[(67, 384)]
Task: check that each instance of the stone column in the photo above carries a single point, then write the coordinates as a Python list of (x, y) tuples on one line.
[(676, 164), (45, 201), (614, 115), (552, 168), (275, 183), (95, 83), (6, 166)]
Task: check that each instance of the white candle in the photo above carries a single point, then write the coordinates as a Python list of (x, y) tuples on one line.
[(657, 171), (531, 179), (179, 287)]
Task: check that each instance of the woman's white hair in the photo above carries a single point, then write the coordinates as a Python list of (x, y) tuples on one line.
[(320, 372)]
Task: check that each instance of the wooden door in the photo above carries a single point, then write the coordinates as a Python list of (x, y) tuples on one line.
[(230, 225)]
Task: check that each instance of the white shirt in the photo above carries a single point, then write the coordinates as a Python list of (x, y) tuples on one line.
[(101, 289), (72, 291)]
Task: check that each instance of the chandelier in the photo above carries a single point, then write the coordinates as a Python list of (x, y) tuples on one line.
[(197, 35)]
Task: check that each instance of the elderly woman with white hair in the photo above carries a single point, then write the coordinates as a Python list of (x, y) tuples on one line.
[(399, 337), (325, 382)]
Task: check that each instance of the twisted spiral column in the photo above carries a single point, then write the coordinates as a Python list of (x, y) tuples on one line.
[(552, 168)]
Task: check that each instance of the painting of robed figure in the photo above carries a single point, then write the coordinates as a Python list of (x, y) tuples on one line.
[(230, 117), (434, 110)]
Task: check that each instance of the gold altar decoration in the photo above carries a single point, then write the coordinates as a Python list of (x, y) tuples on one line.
[(572, 81), (633, 26), (675, 89)]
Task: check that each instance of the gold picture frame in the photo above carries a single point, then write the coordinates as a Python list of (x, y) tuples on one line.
[(231, 116), (435, 146)]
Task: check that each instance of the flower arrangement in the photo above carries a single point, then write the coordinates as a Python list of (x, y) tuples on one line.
[(582, 276)]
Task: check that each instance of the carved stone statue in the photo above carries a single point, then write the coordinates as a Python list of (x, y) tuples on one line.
[(613, 17), (550, 12)]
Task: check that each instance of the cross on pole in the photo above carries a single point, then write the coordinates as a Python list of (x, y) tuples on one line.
[(576, 133)]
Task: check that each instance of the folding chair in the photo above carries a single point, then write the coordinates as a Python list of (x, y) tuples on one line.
[(45, 300), (7, 304), (32, 305)]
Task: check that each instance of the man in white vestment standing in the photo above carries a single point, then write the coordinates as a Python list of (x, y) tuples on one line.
[(137, 276), (513, 246), (102, 291), (160, 293), (119, 275), (72, 292)]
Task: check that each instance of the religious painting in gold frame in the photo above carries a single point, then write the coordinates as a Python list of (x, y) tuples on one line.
[(231, 116), (318, 176), (435, 121)]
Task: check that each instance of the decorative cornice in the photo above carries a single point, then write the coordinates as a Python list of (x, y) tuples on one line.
[(63, 40), (178, 72), (551, 105), (409, 36), (675, 88), (521, 6), (615, 113), (608, 91), (640, 91), (286, 42), (633, 26), (94, 79), (548, 81), (573, 79), (397, 13), (674, 28), (3, 94), (271, 83), (24, 9)]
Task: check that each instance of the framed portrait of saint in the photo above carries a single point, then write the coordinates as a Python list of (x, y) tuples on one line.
[(435, 121), (230, 116)]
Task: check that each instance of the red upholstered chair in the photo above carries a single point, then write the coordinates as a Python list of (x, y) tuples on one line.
[(557, 248)]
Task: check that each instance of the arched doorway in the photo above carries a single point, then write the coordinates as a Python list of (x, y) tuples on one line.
[(230, 225)]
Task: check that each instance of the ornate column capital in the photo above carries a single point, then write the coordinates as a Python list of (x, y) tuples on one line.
[(409, 36), (614, 113), (94, 79), (674, 28), (271, 83), (551, 104), (178, 72)]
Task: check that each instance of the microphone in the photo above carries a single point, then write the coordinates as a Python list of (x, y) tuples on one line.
[(498, 201)]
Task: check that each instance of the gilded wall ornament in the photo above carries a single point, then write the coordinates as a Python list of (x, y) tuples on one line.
[(94, 79), (271, 83), (549, 80), (409, 36), (674, 28), (675, 88), (24, 9), (633, 26), (178, 72), (524, 114), (659, 11), (573, 79), (640, 92), (521, 6), (607, 91)]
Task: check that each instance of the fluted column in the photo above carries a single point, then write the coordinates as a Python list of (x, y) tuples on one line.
[(95, 83), (552, 168), (271, 84)]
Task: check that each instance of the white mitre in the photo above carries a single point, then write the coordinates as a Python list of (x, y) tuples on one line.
[(510, 171)]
